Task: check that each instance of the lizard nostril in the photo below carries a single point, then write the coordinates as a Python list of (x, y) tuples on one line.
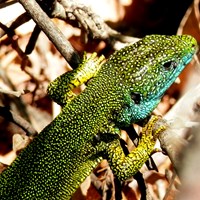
[(193, 45)]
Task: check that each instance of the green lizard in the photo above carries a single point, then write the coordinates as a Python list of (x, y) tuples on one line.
[(123, 90)]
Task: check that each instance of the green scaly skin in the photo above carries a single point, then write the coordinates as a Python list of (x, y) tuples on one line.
[(123, 90)]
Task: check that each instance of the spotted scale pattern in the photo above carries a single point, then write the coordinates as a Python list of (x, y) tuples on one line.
[(125, 89)]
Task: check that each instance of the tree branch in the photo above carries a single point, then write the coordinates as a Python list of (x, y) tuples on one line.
[(52, 32)]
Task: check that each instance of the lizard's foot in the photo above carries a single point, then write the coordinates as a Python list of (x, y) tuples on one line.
[(152, 129)]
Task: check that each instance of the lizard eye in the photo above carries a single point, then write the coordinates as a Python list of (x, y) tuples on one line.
[(136, 97), (170, 64)]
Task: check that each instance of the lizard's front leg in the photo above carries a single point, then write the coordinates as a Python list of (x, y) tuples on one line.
[(61, 89), (126, 166)]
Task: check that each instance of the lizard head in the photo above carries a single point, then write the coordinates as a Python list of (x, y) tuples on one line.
[(148, 68)]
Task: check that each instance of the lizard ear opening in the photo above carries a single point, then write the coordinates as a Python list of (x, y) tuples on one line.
[(136, 97), (170, 64)]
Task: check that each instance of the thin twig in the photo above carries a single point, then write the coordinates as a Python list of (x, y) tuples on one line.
[(5, 3), (32, 41), (23, 18), (16, 119), (52, 32), (14, 42), (90, 22), (15, 93)]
